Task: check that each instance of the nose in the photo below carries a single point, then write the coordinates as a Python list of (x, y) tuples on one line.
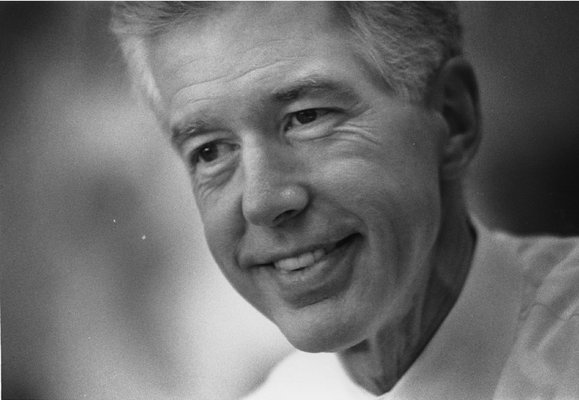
[(272, 191)]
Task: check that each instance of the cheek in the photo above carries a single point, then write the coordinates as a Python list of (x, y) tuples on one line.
[(379, 184), (222, 224), (223, 232), (397, 200), (224, 228)]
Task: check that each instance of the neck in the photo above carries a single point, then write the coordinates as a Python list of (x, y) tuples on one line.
[(379, 362)]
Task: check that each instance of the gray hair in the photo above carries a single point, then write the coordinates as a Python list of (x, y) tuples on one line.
[(404, 42)]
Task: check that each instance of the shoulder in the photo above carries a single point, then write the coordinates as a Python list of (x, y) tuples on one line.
[(551, 272), (544, 361)]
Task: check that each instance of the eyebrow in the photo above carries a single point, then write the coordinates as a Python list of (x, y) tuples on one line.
[(312, 85), (181, 132)]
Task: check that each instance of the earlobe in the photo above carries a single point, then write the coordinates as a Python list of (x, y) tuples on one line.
[(455, 97)]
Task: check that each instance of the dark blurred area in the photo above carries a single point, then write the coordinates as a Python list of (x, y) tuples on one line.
[(526, 176), (108, 290)]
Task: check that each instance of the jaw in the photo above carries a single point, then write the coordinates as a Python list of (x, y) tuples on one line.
[(379, 361)]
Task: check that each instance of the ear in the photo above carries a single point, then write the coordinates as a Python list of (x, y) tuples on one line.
[(455, 96)]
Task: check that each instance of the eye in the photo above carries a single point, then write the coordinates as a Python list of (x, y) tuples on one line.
[(211, 152), (305, 117)]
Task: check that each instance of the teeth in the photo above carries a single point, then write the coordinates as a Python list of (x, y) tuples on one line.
[(302, 261), (318, 254)]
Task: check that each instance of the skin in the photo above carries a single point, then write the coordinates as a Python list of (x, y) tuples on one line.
[(360, 169)]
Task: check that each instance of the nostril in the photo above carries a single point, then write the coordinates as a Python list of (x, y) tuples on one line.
[(284, 216)]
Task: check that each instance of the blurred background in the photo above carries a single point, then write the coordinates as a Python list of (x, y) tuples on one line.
[(108, 290)]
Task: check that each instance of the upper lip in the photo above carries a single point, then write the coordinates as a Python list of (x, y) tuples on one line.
[(275, 253)]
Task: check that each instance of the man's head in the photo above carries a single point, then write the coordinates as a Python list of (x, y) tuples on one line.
[(325, 144)]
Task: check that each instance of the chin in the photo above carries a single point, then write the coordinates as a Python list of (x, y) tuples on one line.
[(322, 338)]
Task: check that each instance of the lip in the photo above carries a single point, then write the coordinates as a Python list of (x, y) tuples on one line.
[(270, 253), (315, 283), (326, 249)]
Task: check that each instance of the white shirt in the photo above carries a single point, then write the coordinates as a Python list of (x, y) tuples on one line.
[(512, 334)]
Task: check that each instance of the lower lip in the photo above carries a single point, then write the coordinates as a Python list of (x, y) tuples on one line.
[(323, 280)]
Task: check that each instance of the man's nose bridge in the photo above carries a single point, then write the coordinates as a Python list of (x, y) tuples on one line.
[(271, 186), (267, 169)]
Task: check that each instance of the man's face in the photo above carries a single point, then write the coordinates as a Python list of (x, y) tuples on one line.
[(318, 189)]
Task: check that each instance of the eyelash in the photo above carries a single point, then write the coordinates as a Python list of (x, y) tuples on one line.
[(195, 156), (320, 112)]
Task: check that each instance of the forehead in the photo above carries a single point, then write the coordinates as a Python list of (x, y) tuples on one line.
[(241, 38)]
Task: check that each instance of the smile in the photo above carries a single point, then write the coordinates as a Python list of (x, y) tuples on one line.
[(309, 276), (304, 260)]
